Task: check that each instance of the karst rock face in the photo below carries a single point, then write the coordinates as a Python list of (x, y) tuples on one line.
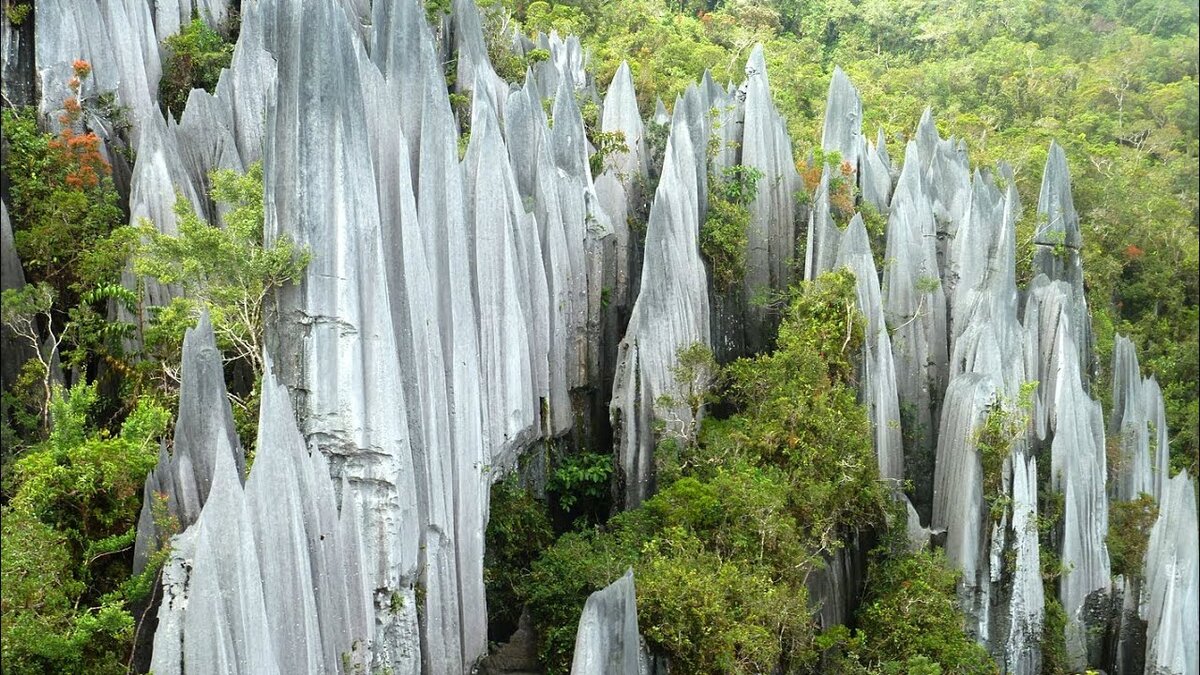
[(607, 640), (461, 310)]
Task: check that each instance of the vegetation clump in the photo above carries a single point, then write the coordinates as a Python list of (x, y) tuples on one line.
[(195, 58), (723, 235), (69, 524), (1129, 524), (722, 553)]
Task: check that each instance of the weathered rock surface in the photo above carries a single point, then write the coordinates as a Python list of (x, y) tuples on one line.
[(842, 131), (183, 479), (958, 499), (12, 277), (1057, 251), (1139, 424), (671, 311), (1173, 583), (877, 384), (607, 641), (914, 306)]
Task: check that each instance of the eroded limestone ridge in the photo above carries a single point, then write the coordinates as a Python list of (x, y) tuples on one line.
[(456, 310)]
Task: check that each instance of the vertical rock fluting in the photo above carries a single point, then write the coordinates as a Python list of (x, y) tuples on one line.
[(334, 338), (959, 504), (671, 311), (877, 384), (182, 480), (914, 306), (452, 311), (12, 277), (771, 235), (1069, 426), (1172, 583), (1138, 422), (607, 640), (1057, 252)]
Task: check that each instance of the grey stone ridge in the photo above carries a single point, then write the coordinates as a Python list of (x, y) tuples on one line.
[(607, 641)]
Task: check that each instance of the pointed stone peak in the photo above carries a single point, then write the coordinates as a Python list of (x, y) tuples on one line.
[(843, 119), (1058, 222)]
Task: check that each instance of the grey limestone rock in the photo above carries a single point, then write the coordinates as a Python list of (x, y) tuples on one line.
[(767, 147), (12, 277), (621, 115), (958, 498), (1077, 456), (823, 234), (1057, 251), (17, 70), (985, 333), (501, 288), (874, 174), (607, 641), (316, 604), (877, 384), (334, 339), (671, 311), (475, 72), (842, 132), (914, 306), (1138, 423), (184, 478), (1172, 584), (1026, 602)]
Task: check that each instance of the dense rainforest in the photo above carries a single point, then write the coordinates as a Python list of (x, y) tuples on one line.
[(149, 317)]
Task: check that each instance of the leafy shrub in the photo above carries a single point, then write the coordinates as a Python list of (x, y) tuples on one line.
[(68, 528), (581, 479), (912, 611), (227, 271), (195, 57), (721, 554), (723, 236), (1129, 524), (518, 529)]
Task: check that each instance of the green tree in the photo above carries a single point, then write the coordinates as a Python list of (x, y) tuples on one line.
[(69, 524)]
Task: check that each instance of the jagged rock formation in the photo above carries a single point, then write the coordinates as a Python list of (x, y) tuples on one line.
[(877, 384), (914, 305), (959, 504), (261, 579), (1057, 251), (671, 311), (179, 486), (607, 640), (842, 132), (1173, 583), (456, 314), (1140, 426)]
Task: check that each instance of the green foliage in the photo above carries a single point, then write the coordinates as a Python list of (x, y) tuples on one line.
[(723, 235), (910, 621), (581, 479), (71, 514), (607, 143), (518, 529), (722, 553), (1129, 524), (17, 12), (436, 9), (1006, 422), (227, 271), (1054, 641), (63, 206), (194, 60)]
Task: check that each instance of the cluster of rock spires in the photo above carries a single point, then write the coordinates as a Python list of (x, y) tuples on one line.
[(458, 313)]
